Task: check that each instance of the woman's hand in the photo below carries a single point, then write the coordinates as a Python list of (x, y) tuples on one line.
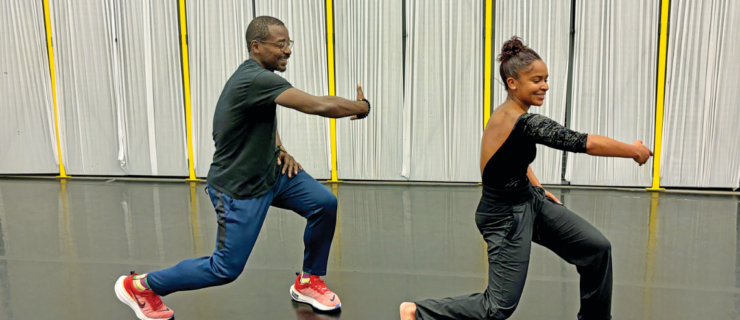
[(552, 197)]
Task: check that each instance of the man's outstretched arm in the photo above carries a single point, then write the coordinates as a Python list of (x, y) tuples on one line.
[(326, 106)]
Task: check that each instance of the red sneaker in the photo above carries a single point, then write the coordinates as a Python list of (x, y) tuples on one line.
[(315, 293), (146, 304)]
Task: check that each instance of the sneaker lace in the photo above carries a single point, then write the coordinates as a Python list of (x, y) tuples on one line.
[(320, 286)]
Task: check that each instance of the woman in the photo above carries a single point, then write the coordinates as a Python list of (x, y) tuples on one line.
[(515, 210)]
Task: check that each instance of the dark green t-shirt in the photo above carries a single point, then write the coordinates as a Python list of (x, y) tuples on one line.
[(245, 162)]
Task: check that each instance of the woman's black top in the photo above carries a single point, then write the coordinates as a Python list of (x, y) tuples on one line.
[(507, 169)]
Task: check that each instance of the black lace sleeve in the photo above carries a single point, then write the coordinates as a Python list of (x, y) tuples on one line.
[(545, 131)]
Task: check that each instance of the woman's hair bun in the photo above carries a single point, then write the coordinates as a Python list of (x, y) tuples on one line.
[(511, 48), (514, 57)]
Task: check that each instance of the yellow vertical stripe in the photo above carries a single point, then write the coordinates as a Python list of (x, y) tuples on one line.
[(68, 235), (47, 17), (663, 53), (487, 63), (332, 87), (650, 256), (194, 217), (652, 236), (186, 88)]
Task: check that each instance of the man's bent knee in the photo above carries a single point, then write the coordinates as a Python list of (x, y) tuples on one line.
[(328, 202), (225, 272), (326, 205)]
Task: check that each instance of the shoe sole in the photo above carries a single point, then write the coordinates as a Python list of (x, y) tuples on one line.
[(297, 296), (129, 301)]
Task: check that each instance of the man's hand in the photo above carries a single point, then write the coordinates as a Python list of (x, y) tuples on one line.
[(291, 166), (360, 96)]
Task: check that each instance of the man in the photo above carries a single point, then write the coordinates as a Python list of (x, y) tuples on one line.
[(251, 171)]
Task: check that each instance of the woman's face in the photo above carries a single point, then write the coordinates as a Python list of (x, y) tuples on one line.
[(532, 85)]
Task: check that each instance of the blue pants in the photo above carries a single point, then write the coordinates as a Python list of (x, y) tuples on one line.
[(239, 224)]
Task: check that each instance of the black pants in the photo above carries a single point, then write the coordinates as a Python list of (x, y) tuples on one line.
[(509, 222)]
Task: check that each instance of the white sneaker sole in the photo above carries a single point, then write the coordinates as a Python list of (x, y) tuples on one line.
[(297, 296), (129, 301)]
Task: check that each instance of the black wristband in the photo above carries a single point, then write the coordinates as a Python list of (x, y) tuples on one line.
[(364, 115)]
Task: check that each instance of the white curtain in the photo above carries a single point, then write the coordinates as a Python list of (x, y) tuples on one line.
[(306, 137), (544, 26), (84, 42), (27, 137), (701, 133), (369, 51), (216, 48), (443, 100), (119, 87), (151, 88), (614, 80)]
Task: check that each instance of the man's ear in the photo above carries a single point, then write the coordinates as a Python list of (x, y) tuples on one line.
[(254, 46)]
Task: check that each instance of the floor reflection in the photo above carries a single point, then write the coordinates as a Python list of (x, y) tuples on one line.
[(675, 256), (307, 312)]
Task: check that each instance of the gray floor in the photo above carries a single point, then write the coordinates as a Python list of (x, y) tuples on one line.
[(61, 249)]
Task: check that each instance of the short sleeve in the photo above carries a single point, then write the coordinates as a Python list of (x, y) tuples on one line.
[(267, 86), (545, 131)]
